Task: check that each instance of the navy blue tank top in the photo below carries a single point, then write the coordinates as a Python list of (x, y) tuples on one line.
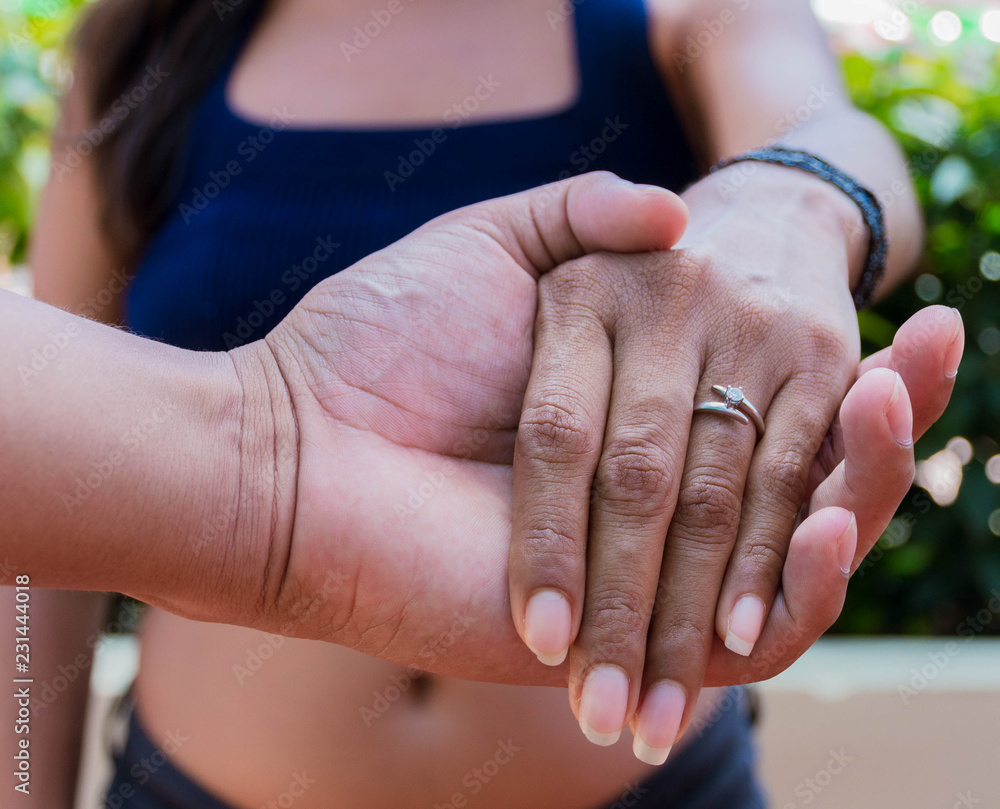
[(265, 211)]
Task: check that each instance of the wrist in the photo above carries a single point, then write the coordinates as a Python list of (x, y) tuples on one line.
[(267, 470), (795, 206)]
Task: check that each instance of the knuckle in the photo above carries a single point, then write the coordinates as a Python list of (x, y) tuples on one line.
[(636, 471), (710, 505), (579, 282), (690, 275), (764, 314), (825, 348), (763, 555), (556, 430), (619, 612), (786, 473), (547, 549), (682, 642), (833, 343), (686, 631)]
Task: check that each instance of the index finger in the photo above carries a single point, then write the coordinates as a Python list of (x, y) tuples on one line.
[(555, 456)]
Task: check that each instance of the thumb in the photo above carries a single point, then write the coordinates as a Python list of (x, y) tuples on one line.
[(549, 225), (925, 353)]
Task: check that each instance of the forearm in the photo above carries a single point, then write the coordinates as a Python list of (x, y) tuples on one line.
[(124, 461), (769, 79)]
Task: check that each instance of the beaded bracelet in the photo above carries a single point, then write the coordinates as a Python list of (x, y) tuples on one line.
[(871, 209)]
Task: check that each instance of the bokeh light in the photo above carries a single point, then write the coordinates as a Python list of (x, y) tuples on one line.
[(989, 341), (994, 522), (941, 476), (989, 24), (928, 287), (886, 19), (962, 449), (850, 12), (946, 26), (993, 469), (989, 265)]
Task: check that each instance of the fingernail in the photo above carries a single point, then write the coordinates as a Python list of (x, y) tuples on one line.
[(547, 626), (603, 703), (659, 721), (847, 545), (899, 416), (953, 355), (745, 622)]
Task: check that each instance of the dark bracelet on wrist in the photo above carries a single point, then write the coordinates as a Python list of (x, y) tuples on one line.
[(871, 208)]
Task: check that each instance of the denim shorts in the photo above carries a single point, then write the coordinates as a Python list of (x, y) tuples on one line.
[(714, 771)]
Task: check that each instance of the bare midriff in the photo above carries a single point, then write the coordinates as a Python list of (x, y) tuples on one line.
[(257, 715)]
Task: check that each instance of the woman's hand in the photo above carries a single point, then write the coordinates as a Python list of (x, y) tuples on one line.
[(861, 470), (624, 499)]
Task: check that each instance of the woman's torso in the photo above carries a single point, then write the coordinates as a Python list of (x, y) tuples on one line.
[(343, 127)]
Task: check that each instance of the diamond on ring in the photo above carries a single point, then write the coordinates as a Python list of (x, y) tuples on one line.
[(735, 406)]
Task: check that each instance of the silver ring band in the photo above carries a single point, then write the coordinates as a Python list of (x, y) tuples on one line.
[(736, 406)]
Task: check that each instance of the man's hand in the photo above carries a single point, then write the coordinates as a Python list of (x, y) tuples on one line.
[(403, 377)]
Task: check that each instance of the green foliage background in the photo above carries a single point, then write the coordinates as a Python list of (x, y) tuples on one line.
[(943, 105), (937, 565), (32, 70)]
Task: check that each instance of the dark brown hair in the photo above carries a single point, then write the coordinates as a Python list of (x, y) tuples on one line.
[(120, 43)]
